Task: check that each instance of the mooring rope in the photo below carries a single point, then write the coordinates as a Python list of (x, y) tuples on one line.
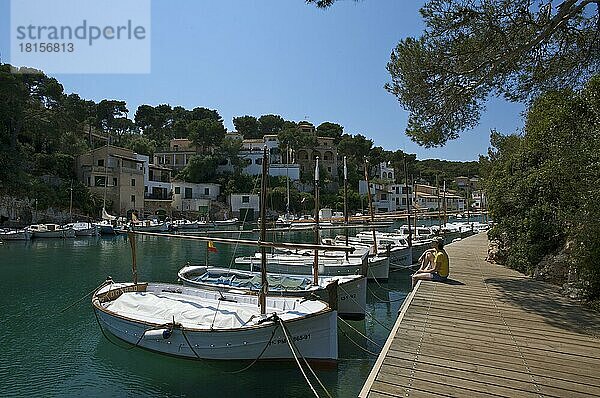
[(289, 340), (384, 300), (356, 344), (274, 318), (106, 282), (106, 337), (359, 332), (379, 284)]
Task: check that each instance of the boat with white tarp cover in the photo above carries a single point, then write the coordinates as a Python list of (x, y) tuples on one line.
[(194, 322), (204, 324)]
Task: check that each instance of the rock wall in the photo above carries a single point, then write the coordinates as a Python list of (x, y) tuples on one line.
[(20, 212)]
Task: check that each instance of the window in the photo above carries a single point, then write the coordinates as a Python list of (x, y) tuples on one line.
[(114, 181), (100, 162), (89, 181), (207, 191), (258, 161), (177, 190), (384, 196), (132, 198), (245, 199), (99, 181), (188, 193), (329, 169)]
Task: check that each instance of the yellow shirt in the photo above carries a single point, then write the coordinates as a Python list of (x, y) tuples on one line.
[(442, 263)]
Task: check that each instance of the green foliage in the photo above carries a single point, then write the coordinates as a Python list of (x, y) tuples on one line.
[(270, 124), (142, 145), (542, 187), (247, 126), (472, 49), (238, 183), (200, 168), (163, 123), (206, 133), (333, 130)]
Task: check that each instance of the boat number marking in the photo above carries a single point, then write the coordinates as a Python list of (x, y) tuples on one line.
[(283, 340), (346, 297)]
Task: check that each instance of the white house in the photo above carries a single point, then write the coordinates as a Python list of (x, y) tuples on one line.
[(252, 154), (245, 206), (192, 197), (387, 197)]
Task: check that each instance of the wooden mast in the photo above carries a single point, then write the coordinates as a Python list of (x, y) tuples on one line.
[(264, 290), (445, 206), (346, 202), (317, 238), (407, 205), (370, 206), (468, 206), (439, 205), (131, 237)]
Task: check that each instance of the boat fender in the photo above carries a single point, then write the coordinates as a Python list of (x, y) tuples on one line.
[(157, 334)]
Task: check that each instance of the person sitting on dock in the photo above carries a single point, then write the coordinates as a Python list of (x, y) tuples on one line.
[(435, 265)]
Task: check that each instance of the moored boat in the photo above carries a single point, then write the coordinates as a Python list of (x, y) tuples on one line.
[(15, 234), (150, 226), (50, 231), (84, 228), (351, 291), (207, 324), (193, 322), (373, 267), (230, 221)]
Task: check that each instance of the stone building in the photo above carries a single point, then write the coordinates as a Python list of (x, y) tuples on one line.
[(115, 174)]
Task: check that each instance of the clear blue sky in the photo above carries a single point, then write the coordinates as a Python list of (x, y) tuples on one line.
[(284, 57)]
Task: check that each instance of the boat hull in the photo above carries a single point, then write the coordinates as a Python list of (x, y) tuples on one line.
[(163, 227), (314, 335), (351, 290), (15, 235), (65, 233), (378, 267)]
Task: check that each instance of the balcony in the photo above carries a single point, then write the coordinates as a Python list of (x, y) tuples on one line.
[(156, 196)]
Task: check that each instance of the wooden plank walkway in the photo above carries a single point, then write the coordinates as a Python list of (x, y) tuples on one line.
[(490, 332)]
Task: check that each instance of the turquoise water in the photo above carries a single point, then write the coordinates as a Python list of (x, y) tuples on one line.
[(46, 352)]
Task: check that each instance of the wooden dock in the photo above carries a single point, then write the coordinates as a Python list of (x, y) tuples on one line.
[(490, 332)]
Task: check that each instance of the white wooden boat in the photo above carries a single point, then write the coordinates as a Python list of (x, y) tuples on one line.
[(298, 264), (191, 322), (351, 292), (84, 228), (14, 234), (185, 225), (231, 221), (105, 227), (150, 226), (50, 231), (206, 324)]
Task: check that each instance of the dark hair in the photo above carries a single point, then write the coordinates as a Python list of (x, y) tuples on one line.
[(440, 242)]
